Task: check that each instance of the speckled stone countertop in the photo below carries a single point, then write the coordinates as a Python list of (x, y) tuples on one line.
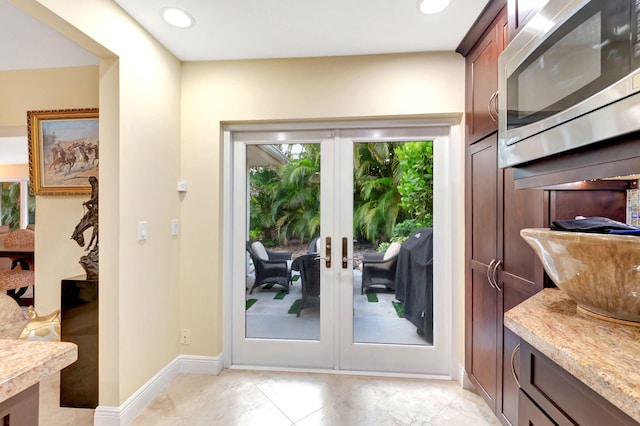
[(602, 354), (25, 363)]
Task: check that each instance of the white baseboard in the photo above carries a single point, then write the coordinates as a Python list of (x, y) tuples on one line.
[(136, 403), (463, 378)]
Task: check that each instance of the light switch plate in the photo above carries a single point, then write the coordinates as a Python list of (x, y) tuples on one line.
[(142, 230)]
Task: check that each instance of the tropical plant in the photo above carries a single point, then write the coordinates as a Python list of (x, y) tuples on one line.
[(415, 160), (295, 201), (10, 205), (376, 199), (392, 185), (285, 202), (262, 182)]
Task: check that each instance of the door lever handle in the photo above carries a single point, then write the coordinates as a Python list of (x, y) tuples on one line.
[(345, 249), (327, 250)]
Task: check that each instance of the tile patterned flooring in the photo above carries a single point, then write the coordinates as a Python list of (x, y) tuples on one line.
[(268, 398), (241, 397), (51, 414)]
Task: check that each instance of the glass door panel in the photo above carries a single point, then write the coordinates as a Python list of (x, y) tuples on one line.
[(390, 175), (279, 197), (393, 250), (283, 233)]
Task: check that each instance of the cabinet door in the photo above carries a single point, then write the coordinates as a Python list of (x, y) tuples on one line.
[(520, 11), (481, 299), (564, 398), (521, 274), (482, 81), (530, 414)]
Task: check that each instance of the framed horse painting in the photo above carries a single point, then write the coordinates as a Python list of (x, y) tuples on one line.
[(63, 150)]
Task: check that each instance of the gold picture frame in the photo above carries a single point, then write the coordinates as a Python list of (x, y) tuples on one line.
[(63, 150)]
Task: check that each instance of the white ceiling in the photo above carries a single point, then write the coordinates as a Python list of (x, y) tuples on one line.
[(249, 29), (25, 43)]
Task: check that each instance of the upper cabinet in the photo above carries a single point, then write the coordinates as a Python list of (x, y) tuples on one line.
[(482, 80), (520, 11)]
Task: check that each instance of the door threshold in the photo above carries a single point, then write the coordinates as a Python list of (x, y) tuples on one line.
[(343, 372)]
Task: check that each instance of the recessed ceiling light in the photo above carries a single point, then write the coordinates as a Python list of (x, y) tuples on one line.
[(430, 7), (177, 17)]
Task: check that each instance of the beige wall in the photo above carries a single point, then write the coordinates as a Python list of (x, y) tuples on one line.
[(139, 85), (285, 89), (14, 171), (57, 88)]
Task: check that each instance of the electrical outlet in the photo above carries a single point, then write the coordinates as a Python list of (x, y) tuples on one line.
[(185, 336)]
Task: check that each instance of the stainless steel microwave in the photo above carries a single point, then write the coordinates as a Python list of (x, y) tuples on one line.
[(570, 78)]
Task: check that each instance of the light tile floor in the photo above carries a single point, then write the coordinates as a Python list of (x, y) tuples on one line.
[(268, 398), (241, 397), (51, 414)]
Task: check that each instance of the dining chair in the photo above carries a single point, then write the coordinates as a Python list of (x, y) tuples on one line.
[(380, 268), (270, 266), (16, 281), (310, 275)]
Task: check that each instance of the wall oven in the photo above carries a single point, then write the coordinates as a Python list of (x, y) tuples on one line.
[(570, 78)]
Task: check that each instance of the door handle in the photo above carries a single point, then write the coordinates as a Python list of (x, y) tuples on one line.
[(489, 274), (494, 274), (491, 107), (327, 251), (345, 251), (513, 364)]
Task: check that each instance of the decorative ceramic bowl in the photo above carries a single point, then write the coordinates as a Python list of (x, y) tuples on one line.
[(600, 272)]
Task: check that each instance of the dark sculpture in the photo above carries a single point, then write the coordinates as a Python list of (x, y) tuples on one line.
[(90, 219)]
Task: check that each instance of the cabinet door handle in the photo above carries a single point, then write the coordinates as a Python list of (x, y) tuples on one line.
[(513, 363), (494, 275), (489, 274), (495, 105), (491, 107)]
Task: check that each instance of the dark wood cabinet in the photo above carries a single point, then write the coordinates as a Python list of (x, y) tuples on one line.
[(530, 414), (519, 276), (482, 81), (21, 409), (520, 12), (481, 297), (503, 271), (551, 395)]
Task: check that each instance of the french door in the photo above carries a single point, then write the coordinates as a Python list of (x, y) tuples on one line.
[(346, 327)]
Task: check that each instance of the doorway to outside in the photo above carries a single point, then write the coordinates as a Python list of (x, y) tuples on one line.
[(330, 267)]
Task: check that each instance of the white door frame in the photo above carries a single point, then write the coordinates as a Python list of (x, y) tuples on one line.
[(450, 192)]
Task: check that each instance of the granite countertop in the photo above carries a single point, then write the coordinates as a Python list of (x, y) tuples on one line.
[(25, 363), (604, 355)]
